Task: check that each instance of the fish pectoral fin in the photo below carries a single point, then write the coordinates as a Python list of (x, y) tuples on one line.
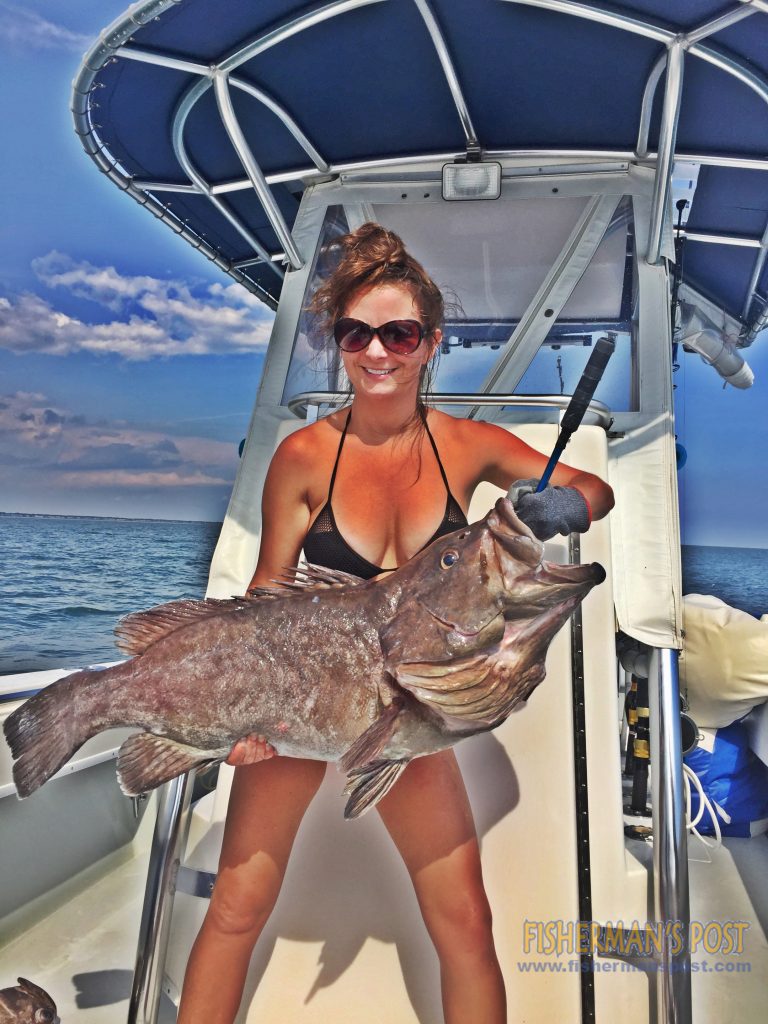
[(456, 689), (369, 744), (146, 761), (367, 784)]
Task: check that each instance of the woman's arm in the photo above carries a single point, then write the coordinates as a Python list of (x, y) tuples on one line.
[(285, 514), (285, 510), (506, 458)]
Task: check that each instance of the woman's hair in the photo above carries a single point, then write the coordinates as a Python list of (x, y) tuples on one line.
[(370, 257)]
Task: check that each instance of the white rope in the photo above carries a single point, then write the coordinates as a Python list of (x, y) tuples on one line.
[(689, 775)]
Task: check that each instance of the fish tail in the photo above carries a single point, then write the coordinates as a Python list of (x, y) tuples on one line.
[(48, 728)]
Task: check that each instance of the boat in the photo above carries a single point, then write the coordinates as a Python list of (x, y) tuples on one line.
[(550, 161)]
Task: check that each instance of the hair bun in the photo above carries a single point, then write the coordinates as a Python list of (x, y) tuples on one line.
[(368, 257), (377, 246)]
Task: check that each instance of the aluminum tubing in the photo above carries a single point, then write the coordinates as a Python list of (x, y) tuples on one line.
[(666, 155), (670, 846), (168, 844)]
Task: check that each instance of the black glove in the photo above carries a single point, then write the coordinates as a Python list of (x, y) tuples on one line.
[(553, 510)]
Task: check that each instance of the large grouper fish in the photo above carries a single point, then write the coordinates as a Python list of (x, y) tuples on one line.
[(324, 665)]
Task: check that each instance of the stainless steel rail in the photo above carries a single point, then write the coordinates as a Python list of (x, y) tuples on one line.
[(252, 169), (690, 38), (751, 328), (670, 841), (299, 404), (670, 115), (168, 845), (449, 70)]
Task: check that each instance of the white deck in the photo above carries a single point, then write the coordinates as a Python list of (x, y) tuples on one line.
[(83, 952)]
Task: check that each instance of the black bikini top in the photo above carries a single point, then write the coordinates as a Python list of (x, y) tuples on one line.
[(324, 544)]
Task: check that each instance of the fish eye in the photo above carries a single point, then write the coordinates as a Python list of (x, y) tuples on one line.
[(449, 558)]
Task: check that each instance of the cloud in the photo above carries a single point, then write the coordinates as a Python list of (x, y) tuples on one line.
[(26, 30), (28, 422), (59, 448), (123, 478), (154, 317), (162, 455), (103, 285)]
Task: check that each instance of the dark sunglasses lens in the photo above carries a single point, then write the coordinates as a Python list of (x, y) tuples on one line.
[(401, 336), (352, 335)]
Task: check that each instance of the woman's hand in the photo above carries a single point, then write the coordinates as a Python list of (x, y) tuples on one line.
[(509, 458), (554, 510), (250, 749)]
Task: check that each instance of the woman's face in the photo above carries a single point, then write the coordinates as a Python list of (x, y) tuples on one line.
[(375, 370)]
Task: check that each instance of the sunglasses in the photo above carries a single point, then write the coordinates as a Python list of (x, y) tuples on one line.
[(402, 337)]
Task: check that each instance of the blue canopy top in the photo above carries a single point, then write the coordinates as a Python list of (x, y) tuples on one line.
[(190, 105)]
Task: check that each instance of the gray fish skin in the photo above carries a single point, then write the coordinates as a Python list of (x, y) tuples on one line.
[(26, 1003), (370, 674)]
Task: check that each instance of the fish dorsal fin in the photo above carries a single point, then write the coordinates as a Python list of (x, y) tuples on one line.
[(301, 579), (139, 630)]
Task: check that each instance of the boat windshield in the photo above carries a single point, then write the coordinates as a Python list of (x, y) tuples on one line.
[(528, 291)]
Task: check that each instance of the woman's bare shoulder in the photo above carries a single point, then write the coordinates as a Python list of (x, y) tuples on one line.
[(463, 432), (475, 450), (303, 447)]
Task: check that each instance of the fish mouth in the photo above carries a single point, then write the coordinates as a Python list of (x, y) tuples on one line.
[(551, 587), (541, 627), (584, 576), (512, 535), (542, 584)]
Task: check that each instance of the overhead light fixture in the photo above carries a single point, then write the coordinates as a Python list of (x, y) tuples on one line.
[(475, 180)]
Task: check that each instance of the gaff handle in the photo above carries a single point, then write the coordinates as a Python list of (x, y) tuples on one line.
[(585, 389), (579, 403)]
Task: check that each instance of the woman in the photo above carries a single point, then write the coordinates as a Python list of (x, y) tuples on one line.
[(362, 490)]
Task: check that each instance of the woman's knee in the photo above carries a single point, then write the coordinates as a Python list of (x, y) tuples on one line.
[(237, 909), (461, 923)]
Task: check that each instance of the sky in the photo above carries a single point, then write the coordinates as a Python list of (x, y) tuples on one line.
[(129, 364)]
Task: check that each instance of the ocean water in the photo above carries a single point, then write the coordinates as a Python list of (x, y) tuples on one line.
[(738, 576), (66, 580)]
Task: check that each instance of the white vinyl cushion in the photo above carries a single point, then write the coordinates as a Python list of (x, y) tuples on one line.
[(724, 662)]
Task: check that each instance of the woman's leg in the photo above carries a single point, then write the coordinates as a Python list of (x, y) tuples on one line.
[(429, 818), (267, 804)]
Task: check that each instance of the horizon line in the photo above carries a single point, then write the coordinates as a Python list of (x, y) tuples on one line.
[(219, 522)]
